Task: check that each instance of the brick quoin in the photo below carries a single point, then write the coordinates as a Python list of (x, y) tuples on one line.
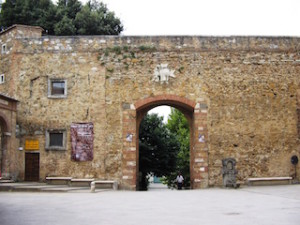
[(198, 151)]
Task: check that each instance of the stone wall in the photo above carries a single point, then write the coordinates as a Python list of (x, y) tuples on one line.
[(253, 113), (247, 87), (9, 42)]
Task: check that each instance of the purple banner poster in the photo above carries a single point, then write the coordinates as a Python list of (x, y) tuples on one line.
[(82, 137)]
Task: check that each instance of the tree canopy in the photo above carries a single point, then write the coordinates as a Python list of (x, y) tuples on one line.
[(67, 17), (179, 126)]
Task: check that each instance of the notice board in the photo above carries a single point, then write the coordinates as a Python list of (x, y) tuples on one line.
[(32, 145), (82, 138)]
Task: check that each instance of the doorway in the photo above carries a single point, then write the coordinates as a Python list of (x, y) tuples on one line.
[(164, 148), (32, 167)]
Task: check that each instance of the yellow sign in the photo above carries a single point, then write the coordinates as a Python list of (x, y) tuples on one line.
[(32, 145)]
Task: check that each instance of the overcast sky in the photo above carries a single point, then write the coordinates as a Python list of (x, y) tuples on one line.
[(207, 17)]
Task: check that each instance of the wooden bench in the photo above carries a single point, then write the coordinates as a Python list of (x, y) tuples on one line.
[(269, 180), (81, 182), (58, 180), (111, 183)]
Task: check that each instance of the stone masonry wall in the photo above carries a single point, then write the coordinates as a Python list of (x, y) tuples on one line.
[(249, 84), (252, 113), (8, 40)]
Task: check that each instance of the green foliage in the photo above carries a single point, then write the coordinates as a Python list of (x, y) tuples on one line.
[(146, 48), (95, 19), (28, 12), (158, 149), (68, 17), (68, 8), (65, 27), (179, 126), (181, 69), (117, 50)]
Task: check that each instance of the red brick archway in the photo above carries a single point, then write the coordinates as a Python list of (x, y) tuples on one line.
[(195, 112)]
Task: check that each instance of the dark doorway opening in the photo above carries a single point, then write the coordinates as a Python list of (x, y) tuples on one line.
[(32, 167)]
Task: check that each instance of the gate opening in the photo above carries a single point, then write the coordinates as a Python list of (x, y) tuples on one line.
[(164, 148), (196, 115)]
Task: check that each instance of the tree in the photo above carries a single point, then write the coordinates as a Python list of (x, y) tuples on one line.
[(68, 17), (65, 27), (47, 16), (95, 19), (65, 16), (179, 127), (28, 12), (11, 12), (158, 149), (68, 8)]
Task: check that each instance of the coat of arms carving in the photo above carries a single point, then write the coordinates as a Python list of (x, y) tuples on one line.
[(162, 73)]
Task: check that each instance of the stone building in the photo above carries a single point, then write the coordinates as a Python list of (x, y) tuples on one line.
[(71, 106)]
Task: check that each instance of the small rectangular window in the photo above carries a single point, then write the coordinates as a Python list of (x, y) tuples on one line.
[(56, 140), (3, 49), (2, 79), (57, 88)]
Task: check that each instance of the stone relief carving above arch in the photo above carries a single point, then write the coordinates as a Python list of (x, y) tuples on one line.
[(162, 73)]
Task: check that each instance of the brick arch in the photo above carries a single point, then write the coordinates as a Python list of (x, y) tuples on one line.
[(185, 105), (165, 100), (196, 116)]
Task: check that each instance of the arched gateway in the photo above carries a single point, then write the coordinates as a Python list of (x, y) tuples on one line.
[(196, 114)]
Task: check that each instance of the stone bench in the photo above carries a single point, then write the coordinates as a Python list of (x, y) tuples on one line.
[(110, 183), (75, 182), (269, 180), (4, 180), (58, 180)]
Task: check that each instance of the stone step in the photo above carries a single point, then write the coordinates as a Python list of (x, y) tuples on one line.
[(38, 187)]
